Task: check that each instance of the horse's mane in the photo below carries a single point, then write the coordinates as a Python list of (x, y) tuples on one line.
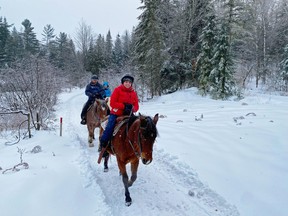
[(150, 127), (145, 122), (132, 119)]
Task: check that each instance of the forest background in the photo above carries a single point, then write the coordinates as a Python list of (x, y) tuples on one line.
[(214, 45)]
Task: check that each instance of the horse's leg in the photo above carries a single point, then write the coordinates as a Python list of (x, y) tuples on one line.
[(99, 139), (134, 168), (91, 135), (122, 168), (106, 158)]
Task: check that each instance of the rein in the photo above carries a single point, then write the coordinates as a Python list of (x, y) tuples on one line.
[(138, 154)]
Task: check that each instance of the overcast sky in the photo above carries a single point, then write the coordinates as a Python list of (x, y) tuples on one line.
[(65, 15)]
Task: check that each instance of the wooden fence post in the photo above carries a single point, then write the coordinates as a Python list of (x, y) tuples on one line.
[(38, 121), (29, 130)]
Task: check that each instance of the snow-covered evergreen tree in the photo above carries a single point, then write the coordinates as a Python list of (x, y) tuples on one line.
[(99, 55), (126, 47), (15, 46), (48, 34), (284, 67), (4, 37), (221, 77), (118, 52), (31, 43), (150, 47), (204, 62), (108, 49)]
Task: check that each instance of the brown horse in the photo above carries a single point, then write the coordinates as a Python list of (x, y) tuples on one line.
[(96, 114), (133, 139)]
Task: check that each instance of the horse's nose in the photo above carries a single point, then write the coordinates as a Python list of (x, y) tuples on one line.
[(146, 162)]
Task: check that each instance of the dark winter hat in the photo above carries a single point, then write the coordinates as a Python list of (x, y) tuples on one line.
[(94, 77), (127, 77)]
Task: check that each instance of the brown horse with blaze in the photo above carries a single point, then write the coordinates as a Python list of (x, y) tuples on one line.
[(133, 139)]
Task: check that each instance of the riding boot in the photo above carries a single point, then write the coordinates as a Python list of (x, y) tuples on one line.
[(103, 144), (84, 111), (99, 148)]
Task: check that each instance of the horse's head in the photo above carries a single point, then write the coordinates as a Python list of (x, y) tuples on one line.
[(147, 135), (101, 108)]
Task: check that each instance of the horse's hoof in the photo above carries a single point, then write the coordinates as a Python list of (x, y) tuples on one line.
[(106, 169), (130, 183), (91, 145), (128, 203)]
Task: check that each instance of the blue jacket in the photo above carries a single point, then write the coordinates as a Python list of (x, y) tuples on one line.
[(107, 89), (94, 91)]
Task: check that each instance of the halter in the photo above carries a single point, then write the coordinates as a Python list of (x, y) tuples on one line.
[(95, 115), (139, 140)]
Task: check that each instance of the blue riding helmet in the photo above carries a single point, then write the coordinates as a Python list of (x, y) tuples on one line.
[(105, 84)]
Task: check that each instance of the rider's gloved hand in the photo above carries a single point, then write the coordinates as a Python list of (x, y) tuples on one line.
[(128, 109)]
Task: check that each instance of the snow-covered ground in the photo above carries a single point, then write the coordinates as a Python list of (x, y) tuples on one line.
[(211, 158)]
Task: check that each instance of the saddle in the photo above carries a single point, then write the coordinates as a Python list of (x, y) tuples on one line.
[(121, 120)]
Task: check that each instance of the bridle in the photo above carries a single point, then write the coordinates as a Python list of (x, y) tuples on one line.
[(137, 154), (140, 138), (96, 113)]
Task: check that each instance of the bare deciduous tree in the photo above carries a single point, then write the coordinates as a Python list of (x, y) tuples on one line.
[(31, 85), (83, 38)]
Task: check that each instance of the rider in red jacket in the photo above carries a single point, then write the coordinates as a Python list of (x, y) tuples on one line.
[(123, 101), (121, 96)]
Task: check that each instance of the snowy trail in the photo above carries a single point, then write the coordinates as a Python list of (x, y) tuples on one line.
[(193, 196)]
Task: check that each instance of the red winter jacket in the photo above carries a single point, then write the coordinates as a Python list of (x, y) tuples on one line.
[(120, 96)]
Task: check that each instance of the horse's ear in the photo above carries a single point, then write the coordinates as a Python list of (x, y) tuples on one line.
[(155, 119), (106, 100), (97, 101)]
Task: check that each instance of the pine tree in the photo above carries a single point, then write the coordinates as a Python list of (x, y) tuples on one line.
[(150, 47), (280, 29), (284, 67), (194, 10), (108, 49), (63, 54), (31, 44), (15, 46), (91, 58), (4, 37), (100, 60), (222, 81), (126, 47), (118, 52), (171, 27), (204, 63), (48, 34), (48, 40)]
